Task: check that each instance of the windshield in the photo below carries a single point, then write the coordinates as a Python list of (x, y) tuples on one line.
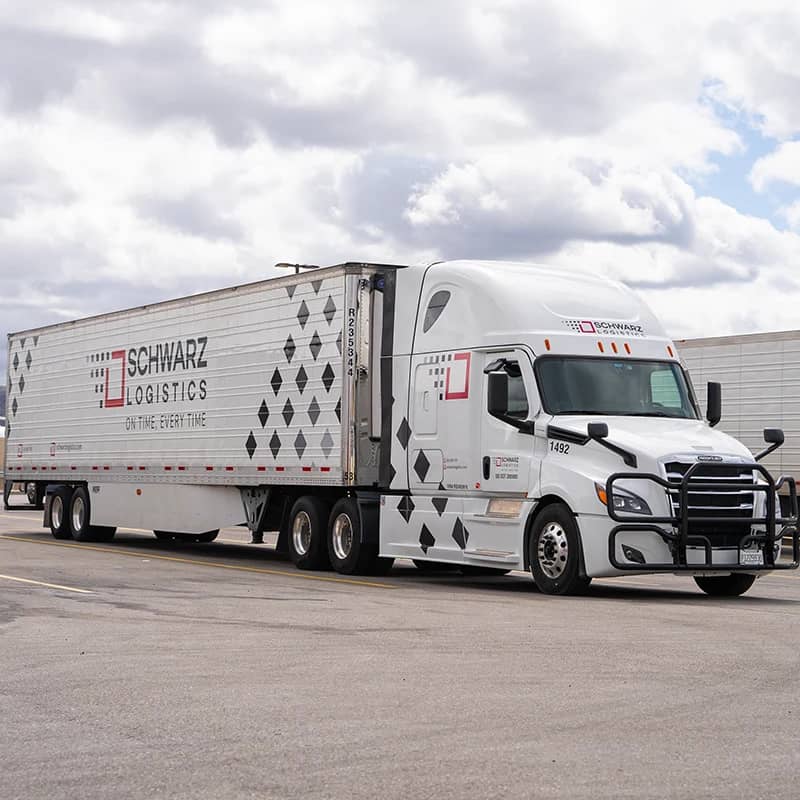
[(575, 385)]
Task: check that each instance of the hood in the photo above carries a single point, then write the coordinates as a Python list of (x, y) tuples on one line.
[(657, 437)]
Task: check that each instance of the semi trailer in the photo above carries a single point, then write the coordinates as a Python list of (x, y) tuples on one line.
[(488, 416)]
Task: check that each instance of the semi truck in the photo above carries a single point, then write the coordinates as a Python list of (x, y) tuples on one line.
[(482, 415)]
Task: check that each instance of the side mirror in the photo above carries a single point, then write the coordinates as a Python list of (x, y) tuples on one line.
[(498, 394), (773, 436), (714, 403), (597, 430)]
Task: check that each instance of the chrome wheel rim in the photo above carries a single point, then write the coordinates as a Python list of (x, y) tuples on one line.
[(57, 511), (301, 533), (553, 550), (78, 513), (342, 536)]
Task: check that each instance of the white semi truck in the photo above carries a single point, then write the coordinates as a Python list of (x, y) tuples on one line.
[(487, 416)]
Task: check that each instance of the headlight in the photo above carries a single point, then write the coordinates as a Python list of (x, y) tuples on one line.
[(624, 501)]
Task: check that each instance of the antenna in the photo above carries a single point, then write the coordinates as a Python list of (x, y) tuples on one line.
[(295, 267)]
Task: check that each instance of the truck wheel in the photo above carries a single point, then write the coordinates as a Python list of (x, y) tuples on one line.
[(725, 585), (554, 552), (79, 516), (59, 518), (348, 554), (308, 522)]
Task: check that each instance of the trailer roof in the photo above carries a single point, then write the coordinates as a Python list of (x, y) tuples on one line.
[(740, 338)]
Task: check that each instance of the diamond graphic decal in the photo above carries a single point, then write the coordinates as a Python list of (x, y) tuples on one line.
[(36, 340), (422, 465), (316, 286), (440, 504), (276, 381), (339, 342), (22, 343), (15, 362), (14, 406), (327, 443), (21, 383), (275, 444), (289, 348), (303, 314), (460, 534), (302, 379), (28, 359), (327, 377), (338, 409), (263, 413), (315, 345), (300, 444), (403, 433), (392, 473), (426, 539), (329, 310), (290, 291), (250, 445), (406, 507), (313, 411), (288, 412)]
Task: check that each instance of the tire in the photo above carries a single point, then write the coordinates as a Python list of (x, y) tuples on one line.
[(307, 540), (348, 554), (472, 571), (59, 512), (554, 552), (79, 517), (725, 585)]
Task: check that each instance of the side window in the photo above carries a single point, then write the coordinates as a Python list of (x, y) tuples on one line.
[(517, 397), (435, 307), (664, 389)]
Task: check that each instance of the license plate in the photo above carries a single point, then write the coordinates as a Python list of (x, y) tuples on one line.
[(751, 558)]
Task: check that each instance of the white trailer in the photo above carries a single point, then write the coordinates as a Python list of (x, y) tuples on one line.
[(482, 415)]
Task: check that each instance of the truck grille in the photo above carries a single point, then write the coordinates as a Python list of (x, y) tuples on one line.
[(730, 504)]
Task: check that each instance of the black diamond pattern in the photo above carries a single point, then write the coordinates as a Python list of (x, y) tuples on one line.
[(313, 411), (275, 444), (422, 465), (302, 379), (406, 507), (22, 383), (339, 342), (338, 409), (303, 314), (327, 377), (315, 345), (329, 310), (440, 504), (28, 359), (300, 444), (276, 381), (289, 348), (14, 406), (426, 539), (263, 413), (15, 362), (316, 286), (288, 412), (250, 444), (460, 534), (327, 443), (36, 340), (392, 473), (22, 343), (290, 291), (403, 433)]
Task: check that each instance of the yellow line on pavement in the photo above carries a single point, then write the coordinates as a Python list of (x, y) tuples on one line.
[(48, 585), (198, 562)]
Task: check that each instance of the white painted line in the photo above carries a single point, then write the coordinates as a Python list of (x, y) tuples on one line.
[(48, 585)]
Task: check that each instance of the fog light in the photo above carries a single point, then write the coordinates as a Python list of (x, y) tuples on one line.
[(632, 554)]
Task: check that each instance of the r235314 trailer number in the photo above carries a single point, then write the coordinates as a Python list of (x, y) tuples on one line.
[(559, 447), (351, 340)]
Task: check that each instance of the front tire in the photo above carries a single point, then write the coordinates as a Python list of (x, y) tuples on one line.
[(308, 525), (725, 585), (554, 552)]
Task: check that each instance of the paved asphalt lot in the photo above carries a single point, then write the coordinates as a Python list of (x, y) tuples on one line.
[(218, 671)]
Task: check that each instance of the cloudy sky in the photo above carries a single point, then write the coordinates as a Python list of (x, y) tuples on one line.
[(153, 149)]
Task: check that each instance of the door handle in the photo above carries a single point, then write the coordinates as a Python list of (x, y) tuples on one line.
[(486, 464)]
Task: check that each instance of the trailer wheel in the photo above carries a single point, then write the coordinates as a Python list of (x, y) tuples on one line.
[(554, 552), (79, 516), (59, 518), (308, 522), (725, 585)]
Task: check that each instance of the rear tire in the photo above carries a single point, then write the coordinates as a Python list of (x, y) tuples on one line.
[(350, 555), (79, 519), (725, 585), (59, 512), (554, 552), (308, 525)]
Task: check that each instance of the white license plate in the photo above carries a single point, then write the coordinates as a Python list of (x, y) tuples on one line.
[(751, 558)]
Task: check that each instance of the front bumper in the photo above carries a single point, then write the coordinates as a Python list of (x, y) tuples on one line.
[(695, 552)]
